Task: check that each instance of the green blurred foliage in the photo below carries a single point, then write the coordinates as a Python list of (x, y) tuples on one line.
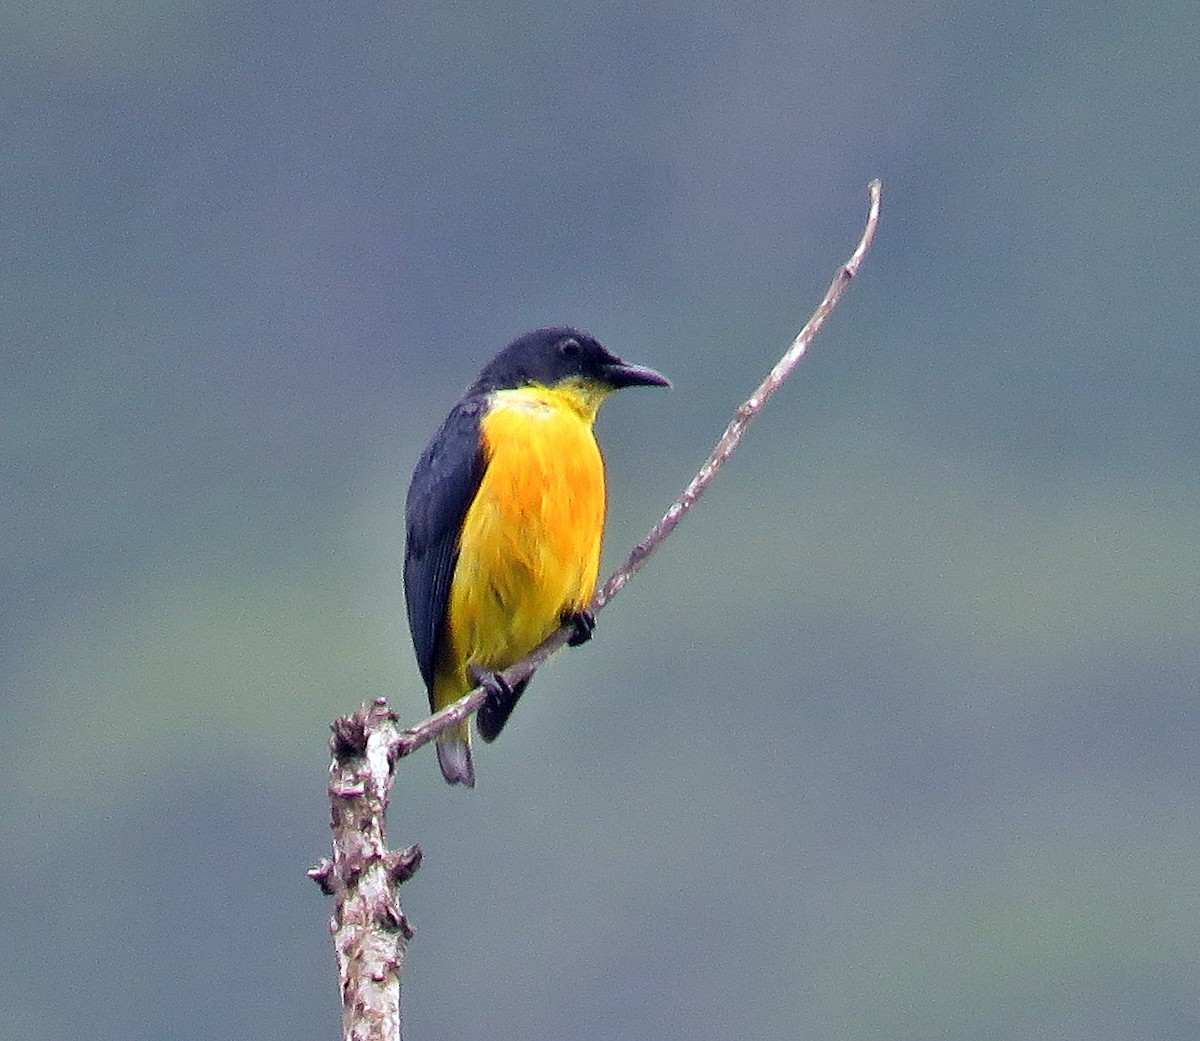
[(894, 738)]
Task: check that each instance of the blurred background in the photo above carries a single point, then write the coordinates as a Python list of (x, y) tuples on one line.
[(896, 738)]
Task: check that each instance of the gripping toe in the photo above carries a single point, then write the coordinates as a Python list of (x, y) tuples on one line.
[(583, 624), (498, 705)]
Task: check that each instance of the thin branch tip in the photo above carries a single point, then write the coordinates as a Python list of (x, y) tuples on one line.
[(725, 447)]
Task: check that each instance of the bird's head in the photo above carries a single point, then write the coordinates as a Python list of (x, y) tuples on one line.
[(563, 358)]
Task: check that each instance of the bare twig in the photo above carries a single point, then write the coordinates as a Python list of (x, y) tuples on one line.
[(409, 740), (369, 928)]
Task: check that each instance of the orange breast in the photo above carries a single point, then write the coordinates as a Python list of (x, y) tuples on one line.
[(530, 545)]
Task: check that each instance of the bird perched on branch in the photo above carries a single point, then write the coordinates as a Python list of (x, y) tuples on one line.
[(505, 516)]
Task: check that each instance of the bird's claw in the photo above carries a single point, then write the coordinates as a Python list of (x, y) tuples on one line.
[(499, 698), (583, 624)]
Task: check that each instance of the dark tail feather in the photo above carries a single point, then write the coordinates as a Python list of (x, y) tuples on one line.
[(495, 712)]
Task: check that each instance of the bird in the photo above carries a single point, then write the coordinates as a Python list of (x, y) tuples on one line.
[(504, 520)]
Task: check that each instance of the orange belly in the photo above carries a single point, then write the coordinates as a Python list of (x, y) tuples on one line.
[(530, 544)]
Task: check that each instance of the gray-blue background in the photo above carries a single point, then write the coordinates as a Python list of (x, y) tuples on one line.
[(896, 739)]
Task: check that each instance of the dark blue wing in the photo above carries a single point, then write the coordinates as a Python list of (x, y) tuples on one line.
[(442, 490)]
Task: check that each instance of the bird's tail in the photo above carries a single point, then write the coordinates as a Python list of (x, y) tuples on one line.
[(454, 755)]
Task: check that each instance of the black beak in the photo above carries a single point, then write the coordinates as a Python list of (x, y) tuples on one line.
[(621, 374)]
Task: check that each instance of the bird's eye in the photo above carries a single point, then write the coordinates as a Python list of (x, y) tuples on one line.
[(569, 348)]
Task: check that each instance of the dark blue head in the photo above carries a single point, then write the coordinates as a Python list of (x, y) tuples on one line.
[(558, 354)]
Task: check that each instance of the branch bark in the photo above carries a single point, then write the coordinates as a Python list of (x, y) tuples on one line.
[(369, 929), (370, 932)]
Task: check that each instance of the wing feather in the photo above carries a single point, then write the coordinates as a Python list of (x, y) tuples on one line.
[(443, 487)]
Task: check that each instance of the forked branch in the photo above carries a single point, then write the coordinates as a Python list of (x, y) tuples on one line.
[(369, 928)]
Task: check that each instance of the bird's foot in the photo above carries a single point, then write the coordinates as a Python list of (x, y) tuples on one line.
[(583, 624), (498, 690), (500, 697)]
